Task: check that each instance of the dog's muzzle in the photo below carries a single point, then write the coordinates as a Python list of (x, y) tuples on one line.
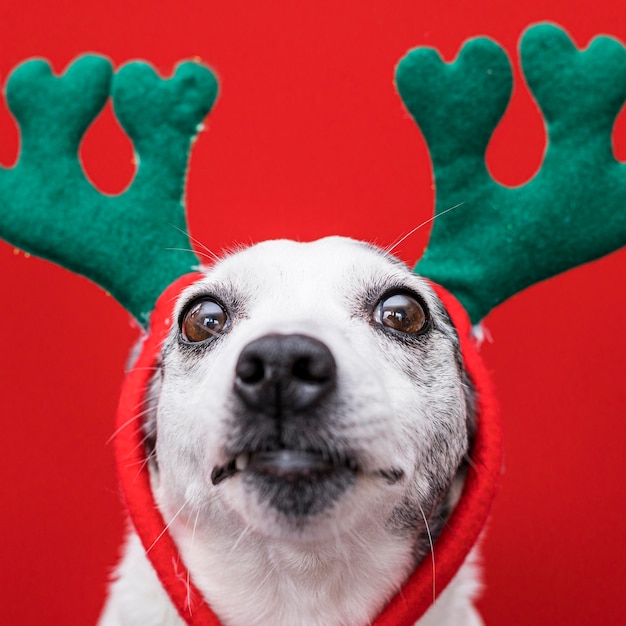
[(281, 382)]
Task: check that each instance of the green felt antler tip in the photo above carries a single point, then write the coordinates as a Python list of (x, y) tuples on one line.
[(133, 244), (501, 240)]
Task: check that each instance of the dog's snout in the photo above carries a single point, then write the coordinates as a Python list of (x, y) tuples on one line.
[(284, 373)]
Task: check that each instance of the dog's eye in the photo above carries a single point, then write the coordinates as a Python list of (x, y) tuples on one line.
[(401, 312), (203, 320)]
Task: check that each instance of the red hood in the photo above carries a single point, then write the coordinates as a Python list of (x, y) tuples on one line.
[(450, 550)]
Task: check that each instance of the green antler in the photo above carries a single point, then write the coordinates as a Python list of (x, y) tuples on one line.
[(133, 244), (501, 240)]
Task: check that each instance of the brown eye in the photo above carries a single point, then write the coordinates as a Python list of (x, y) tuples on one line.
[(203, 320), (401, 312)]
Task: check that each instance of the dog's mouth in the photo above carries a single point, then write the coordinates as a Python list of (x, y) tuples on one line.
[(295, 483), (298, 483), (285, 465)]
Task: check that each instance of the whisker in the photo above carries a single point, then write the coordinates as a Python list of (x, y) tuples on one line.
[(474, 465), (239, 539), (201, 254), (206, 252), (270, 572), (185, 503), (119, 429), (432, 549), (193, 536), (141, 444), (136, 417), (198, 252), (142, 466), (138, 406), (394, 245), (185, 581), (142, 463)]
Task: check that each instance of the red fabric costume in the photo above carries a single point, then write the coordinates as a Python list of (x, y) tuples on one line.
[(450, 550)]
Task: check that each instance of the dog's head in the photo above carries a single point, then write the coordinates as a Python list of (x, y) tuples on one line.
[(308, 389)]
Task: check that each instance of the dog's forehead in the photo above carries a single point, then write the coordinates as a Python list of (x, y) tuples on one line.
[(322, 255), (329, 265)]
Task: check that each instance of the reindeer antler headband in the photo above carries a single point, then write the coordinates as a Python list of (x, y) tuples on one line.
[(497, 242), (52, 210), (502, 240)]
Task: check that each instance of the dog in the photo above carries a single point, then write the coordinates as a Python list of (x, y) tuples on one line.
[(308, 427)]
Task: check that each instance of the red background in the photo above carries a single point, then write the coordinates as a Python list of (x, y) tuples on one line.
[(307, 139)]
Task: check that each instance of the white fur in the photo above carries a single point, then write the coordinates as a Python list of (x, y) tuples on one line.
[(392, 403)]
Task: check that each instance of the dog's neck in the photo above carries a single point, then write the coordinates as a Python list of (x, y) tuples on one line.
[(252, 579)]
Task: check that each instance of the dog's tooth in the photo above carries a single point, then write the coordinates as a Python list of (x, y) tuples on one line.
[(241, 462)]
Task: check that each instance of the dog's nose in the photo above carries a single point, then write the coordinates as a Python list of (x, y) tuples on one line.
[(284, 373)]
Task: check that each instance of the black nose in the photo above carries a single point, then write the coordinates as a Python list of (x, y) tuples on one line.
[(284, 373)]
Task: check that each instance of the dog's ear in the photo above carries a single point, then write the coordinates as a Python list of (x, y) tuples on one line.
[(150, 409), (147, 415), (499, 240), (133, 244), (469, 389)]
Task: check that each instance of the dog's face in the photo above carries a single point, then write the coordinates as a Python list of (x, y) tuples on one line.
[(309, 389)]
